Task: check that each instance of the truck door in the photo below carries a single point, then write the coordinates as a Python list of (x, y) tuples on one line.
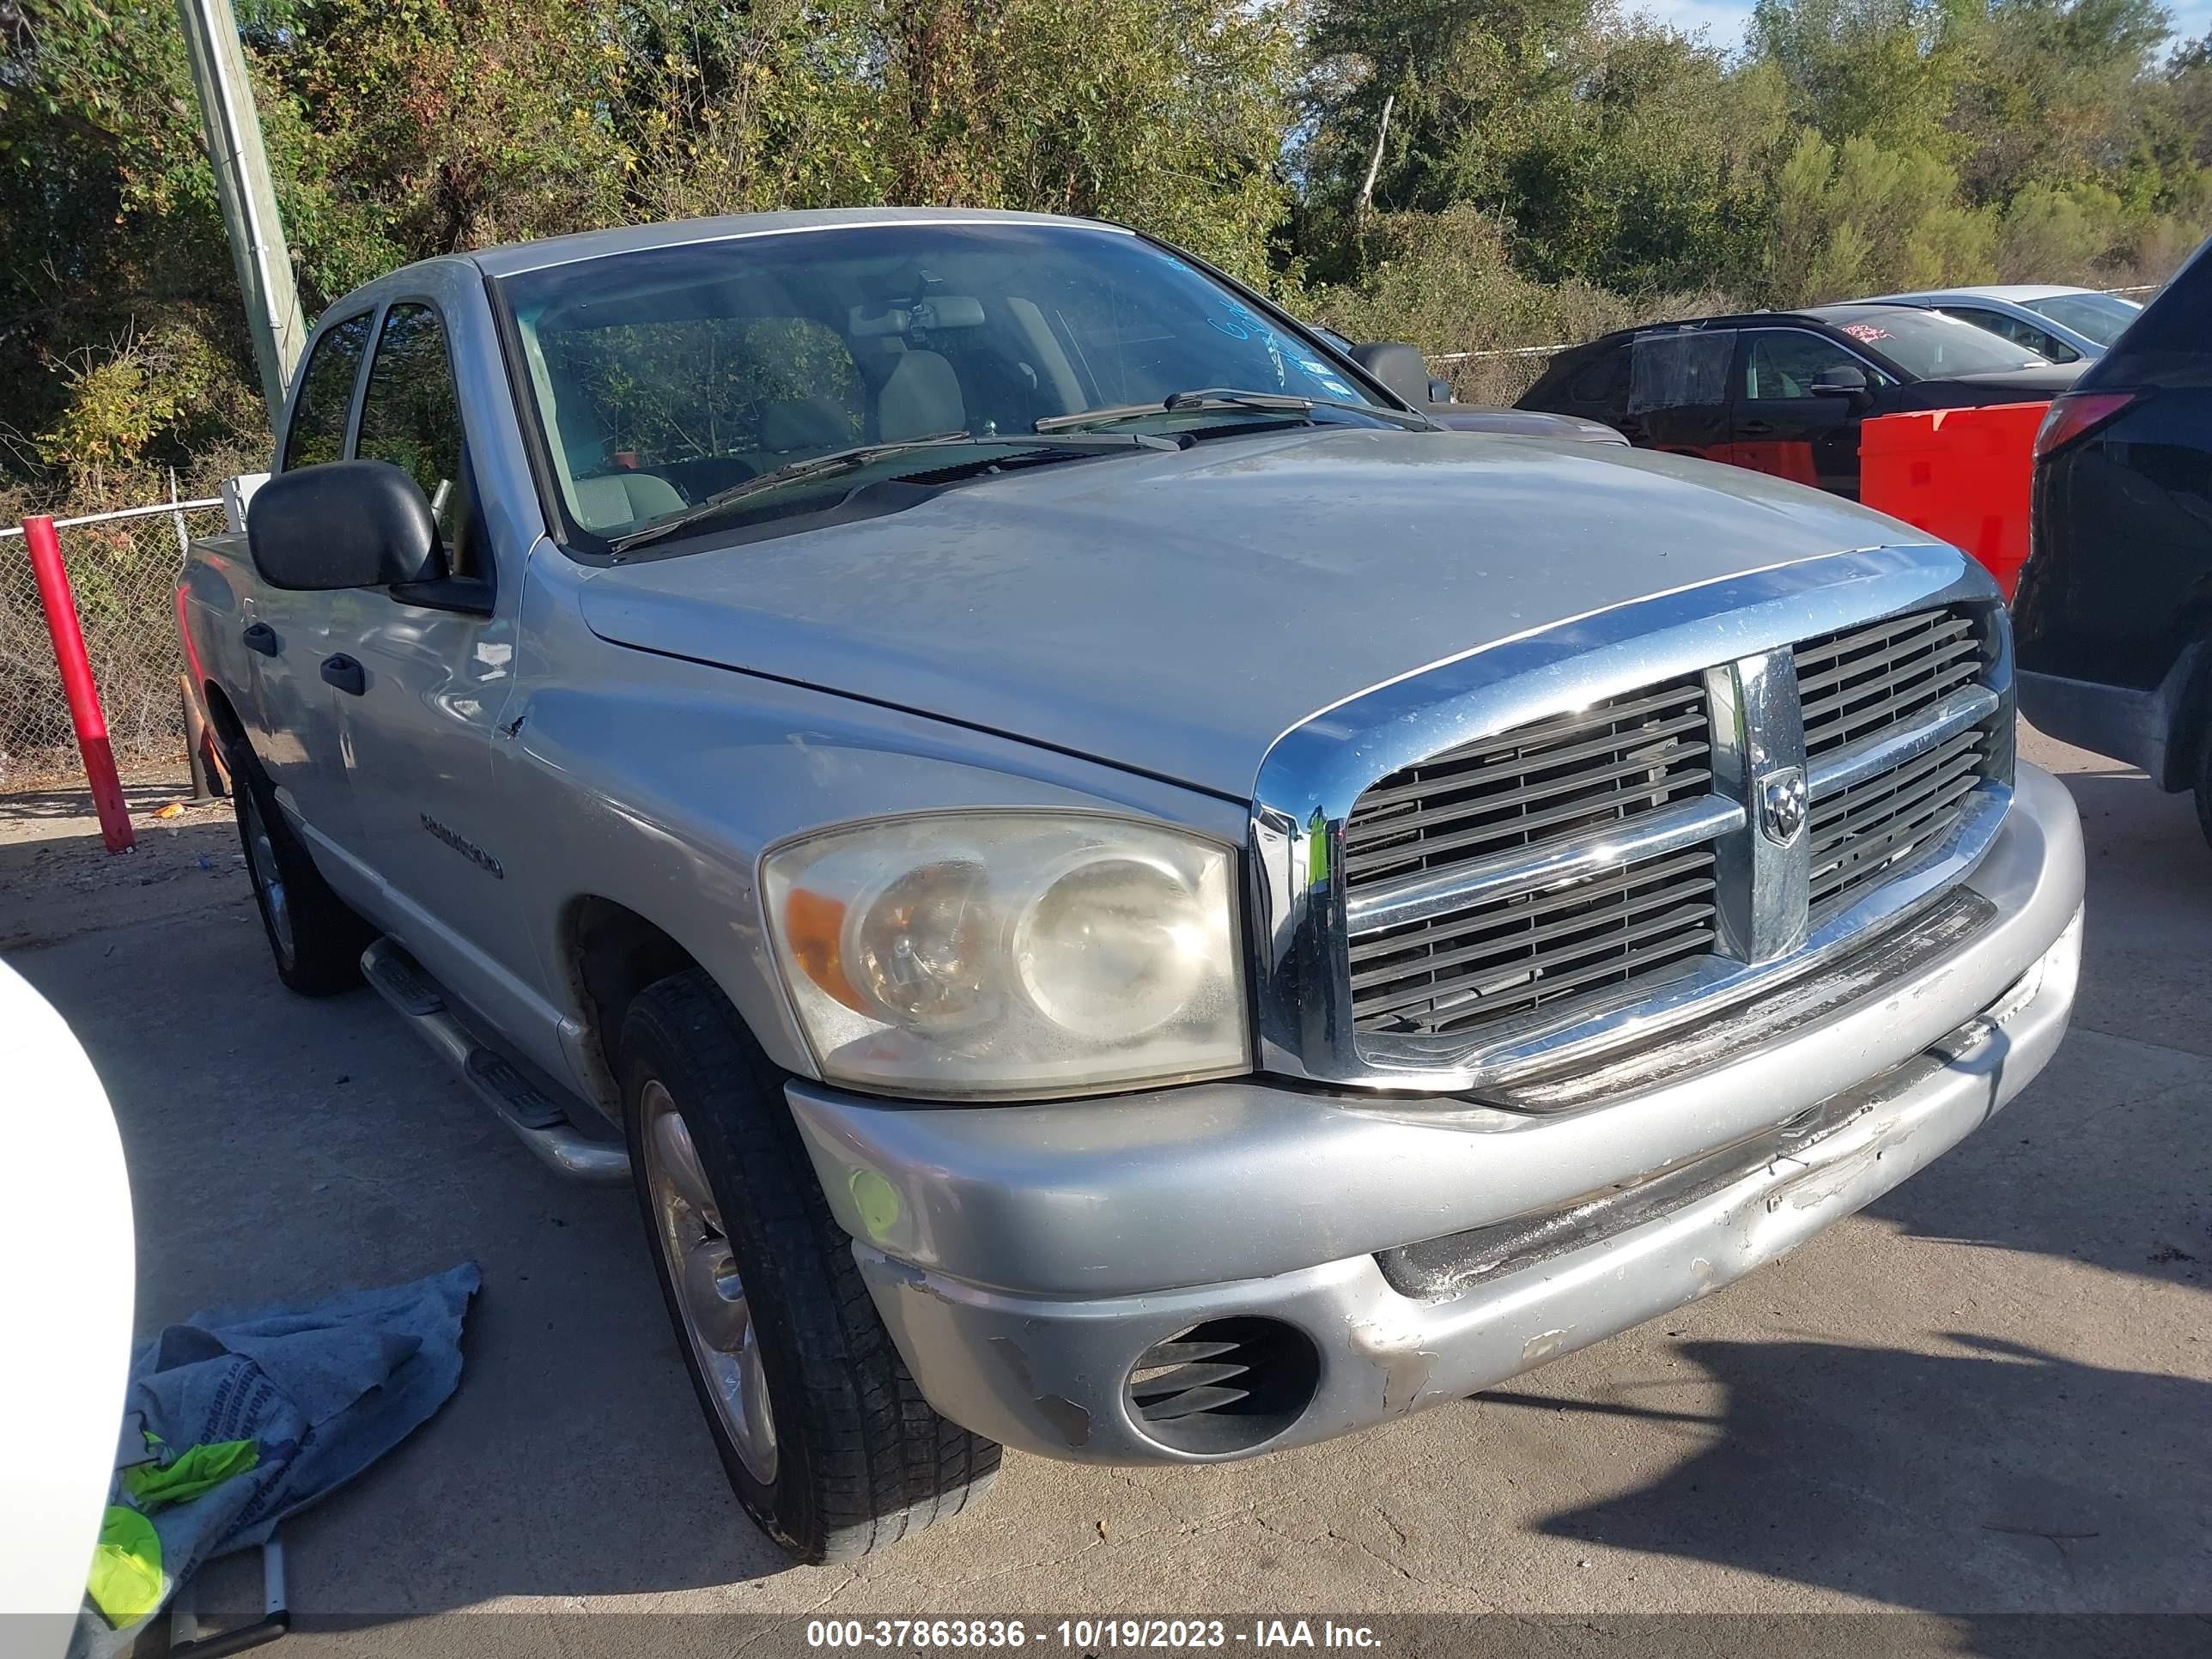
[(1781, 426), (432, 668), (293, 715)]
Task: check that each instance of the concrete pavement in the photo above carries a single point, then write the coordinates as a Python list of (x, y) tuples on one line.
[(1990, 1394)]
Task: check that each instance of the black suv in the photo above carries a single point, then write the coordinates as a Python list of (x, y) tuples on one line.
[(1784, 391), (2114, 620)]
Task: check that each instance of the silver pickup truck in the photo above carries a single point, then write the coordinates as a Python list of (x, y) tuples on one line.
[(1114, 889)]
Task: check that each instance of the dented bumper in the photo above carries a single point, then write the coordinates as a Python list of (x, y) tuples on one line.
[(1026, 1258)]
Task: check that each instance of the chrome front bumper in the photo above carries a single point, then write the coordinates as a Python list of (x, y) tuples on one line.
[(1023, 1257)]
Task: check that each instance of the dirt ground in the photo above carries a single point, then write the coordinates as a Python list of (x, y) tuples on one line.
[(1988, 1397)]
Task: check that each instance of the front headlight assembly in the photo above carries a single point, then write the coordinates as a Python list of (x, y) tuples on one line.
[(974, 955)]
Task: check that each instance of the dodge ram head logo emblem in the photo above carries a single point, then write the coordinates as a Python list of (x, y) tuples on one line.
[(1782, 800)]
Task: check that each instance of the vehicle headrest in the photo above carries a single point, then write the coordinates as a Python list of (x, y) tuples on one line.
[(584, 436), (804, 424), (922, 397)]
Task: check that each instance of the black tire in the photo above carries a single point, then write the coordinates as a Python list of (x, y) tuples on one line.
[(315, 937), (858, 1459)]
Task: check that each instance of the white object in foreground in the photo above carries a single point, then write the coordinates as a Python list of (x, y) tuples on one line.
[(66, 1287)]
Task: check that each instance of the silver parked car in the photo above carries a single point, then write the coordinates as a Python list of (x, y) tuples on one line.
[(1114, 891), (2065, 324)]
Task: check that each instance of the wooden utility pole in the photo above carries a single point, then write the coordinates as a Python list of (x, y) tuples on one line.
[(1375, 162), (232, 129)]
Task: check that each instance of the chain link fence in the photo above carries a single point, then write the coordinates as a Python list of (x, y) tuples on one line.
[(1496, 378), (123, 566)]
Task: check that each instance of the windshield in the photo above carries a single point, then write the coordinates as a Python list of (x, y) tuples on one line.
[(2101, 317), (1928, 345), (667, 376)]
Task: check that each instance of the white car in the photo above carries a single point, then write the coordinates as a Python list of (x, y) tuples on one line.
[(67, 1278), (2064, 324)]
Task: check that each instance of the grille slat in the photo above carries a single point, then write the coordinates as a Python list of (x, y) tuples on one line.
[(1540, 975), (1843, 816), (1652, 960), (1896, 708), (1636, 707), (1673, 759), (1564, 776), (1505, 938), (1839, 885), (1866, 681), (1435, 838), (1178, 1378), (1451, 928), (1893, 651), (1436, 776)]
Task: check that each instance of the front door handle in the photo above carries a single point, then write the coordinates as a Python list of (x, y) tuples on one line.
[(260, 636), (1757, 428), (345, 673)]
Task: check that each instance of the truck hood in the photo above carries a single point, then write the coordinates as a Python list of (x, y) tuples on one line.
[(1176, 611)]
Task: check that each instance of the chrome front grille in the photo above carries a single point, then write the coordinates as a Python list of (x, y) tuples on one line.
[(1510, 881), (1503, 800), (1854, 687)]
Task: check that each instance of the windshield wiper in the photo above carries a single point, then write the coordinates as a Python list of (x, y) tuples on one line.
[(815, 466), (844, 460), (1265, 403)]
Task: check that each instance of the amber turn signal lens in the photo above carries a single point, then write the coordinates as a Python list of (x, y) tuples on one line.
[(816, 924)]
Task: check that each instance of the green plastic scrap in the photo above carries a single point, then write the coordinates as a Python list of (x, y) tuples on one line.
[(125, 1584), (190, 1473)]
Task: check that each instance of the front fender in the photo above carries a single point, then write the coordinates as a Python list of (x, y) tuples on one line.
[(657, 782)]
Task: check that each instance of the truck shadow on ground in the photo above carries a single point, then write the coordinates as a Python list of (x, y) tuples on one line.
[(1993, 1476)]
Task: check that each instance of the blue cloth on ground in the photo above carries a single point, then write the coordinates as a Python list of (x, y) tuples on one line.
[(325, 1387)]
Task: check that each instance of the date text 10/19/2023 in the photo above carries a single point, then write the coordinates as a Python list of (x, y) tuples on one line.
[(1085, 1635)]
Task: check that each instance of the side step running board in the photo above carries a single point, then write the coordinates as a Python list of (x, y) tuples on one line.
[(536, 1119)]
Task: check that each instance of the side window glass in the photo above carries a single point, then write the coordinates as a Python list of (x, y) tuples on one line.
[(319, 415), (411, 417), (1681, 370), (1787, 363)]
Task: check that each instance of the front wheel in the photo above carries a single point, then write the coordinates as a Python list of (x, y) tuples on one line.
[(825, 1438)]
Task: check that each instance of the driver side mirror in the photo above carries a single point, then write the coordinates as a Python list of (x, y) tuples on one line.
[(1844, 380), (1401, 369), (343, 524)]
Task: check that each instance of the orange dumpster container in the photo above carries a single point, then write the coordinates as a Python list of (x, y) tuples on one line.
[(1961, 474)]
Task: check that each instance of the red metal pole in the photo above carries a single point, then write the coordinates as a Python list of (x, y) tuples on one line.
[(76, 681)]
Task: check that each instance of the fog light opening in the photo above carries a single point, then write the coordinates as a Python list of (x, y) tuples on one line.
[(1226, 1386)]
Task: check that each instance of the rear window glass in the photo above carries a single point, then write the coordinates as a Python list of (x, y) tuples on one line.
[(1674, 371), (2101, 317)]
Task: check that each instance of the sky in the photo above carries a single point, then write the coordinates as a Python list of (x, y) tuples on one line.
[(1725, 19)]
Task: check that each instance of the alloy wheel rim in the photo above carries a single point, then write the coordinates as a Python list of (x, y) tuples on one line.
[(262, 852), (710, 1298)]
